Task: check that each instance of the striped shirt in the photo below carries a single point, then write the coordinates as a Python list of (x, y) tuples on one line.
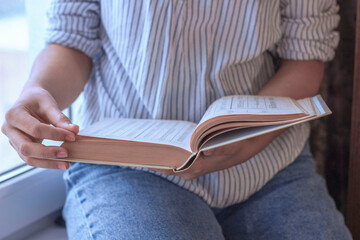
[(170, 59)]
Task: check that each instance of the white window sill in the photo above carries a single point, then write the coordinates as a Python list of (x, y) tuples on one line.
[(52, 232), (28, 198)]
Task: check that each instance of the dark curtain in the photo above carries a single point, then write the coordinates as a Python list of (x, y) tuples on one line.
[(330, 136)]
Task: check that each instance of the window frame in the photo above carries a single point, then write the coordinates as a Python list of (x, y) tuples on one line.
[(14, 172), (27, 194), (28, 198)]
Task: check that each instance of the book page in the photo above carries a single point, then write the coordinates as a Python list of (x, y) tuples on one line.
[(307, 105), (246, 133), (170, 132), (314, 105), (246, 104)]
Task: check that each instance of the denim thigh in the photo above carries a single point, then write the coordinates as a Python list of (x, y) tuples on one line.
[(110, 202), (293, 205)]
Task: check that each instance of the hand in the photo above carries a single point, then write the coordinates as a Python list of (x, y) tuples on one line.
[(34, 117), (225, 157)]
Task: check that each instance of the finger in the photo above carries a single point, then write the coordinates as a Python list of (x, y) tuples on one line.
[(59, 119), (220, 151), (227, 150), (43, 163), (163, 171), (23, 121), (208, 152), (187, 176), (29, 149)]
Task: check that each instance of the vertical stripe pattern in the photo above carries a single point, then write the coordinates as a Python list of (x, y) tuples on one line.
[(170, 59)]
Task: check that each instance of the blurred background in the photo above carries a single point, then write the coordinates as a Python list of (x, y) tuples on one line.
[(22, 28), (330, 139), (14, 45)]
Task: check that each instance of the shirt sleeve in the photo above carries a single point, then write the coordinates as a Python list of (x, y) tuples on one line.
[(75, 24), (308, 30)]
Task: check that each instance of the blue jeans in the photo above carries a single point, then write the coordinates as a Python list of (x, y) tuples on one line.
[(110, 202)]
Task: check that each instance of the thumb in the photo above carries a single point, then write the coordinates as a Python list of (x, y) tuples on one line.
[(59, 119), (208, 152)]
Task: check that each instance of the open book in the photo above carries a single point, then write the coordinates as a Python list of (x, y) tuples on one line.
[(171, 144)]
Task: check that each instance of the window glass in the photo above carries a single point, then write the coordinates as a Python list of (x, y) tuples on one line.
[(14, 45)]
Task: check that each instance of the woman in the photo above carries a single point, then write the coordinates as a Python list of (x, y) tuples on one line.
[(171, 59)]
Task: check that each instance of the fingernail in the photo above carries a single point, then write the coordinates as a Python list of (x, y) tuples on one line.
[(62, 166), (61, 154), (70, 138), (70, 124)]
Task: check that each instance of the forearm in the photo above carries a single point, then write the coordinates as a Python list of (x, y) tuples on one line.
[(61, 71), (295, 79)]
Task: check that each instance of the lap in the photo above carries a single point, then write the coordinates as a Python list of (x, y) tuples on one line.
[(109, 202), (295, 204)]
